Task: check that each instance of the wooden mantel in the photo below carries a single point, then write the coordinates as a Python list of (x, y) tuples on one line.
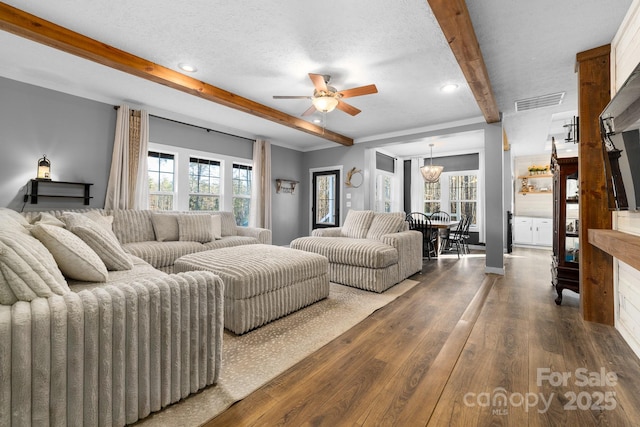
[(623, 246)]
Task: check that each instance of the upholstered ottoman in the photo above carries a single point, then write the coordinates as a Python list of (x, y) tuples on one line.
[(262, 282)]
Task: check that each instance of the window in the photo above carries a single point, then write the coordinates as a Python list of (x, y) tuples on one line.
[(432, 195), (204, 184), (161, 170), (186, 179), (456, 192), (241, 187), (463, 196), (384, 191)]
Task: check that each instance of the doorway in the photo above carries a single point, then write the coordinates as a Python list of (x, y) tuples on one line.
[(325, 205)]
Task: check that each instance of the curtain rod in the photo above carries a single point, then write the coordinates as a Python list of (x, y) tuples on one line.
[(115, 107)]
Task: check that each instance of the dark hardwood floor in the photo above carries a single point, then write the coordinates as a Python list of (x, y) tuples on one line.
[(461, 349)]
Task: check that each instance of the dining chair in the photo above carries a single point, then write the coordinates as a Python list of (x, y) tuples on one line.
[(421, 222), (455, 237), (465, 234), (444, 232)]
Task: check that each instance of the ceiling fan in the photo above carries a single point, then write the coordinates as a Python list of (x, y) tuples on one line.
[(326, 98)]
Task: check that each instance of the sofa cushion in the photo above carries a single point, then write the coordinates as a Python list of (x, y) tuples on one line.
[(48, 219), (101, 240), (132, 225), (27, 269), (74, 257), (346, 250), (165, 227), (162, 254), (228, 223), (195, 228), (105, 221), (12, 220), (230, 241), (216, 226), (356, 224), (385, 223)]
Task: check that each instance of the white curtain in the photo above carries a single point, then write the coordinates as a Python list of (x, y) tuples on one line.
[(261, 185), (128, 186)]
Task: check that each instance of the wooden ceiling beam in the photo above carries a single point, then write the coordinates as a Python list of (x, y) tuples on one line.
[(453, 17), (31, 27)]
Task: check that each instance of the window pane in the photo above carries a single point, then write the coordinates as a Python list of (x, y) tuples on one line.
[(166, 165), (431, 207), (160, 202), (154, 181), (241, 210), (204, 203), (166, 182)]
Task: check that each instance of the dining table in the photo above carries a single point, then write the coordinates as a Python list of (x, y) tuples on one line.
[(442, 225)]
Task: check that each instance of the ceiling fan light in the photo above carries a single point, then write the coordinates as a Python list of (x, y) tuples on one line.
[(325, 103)]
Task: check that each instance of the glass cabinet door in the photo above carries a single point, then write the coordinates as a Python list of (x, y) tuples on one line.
[(572, 243)]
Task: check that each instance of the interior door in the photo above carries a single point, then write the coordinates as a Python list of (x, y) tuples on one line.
[(325, 208)]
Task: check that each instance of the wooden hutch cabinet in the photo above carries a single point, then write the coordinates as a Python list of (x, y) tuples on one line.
[(565, 272)]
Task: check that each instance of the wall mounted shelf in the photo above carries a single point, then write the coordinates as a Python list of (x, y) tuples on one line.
[(35, 190), (285, 186)]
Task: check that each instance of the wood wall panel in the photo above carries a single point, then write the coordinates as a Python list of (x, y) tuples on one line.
[(625, 48), (596, 266)]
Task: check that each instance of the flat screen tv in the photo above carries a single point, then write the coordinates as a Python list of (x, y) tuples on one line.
[(620, 130)]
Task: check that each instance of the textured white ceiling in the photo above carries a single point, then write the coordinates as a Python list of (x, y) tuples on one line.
[(266, 48)]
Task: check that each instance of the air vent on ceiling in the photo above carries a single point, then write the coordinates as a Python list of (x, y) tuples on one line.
[(540, 101)]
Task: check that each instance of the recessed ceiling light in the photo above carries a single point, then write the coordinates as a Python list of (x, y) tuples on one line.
[(449, 87), (187, 67), (317, 121)]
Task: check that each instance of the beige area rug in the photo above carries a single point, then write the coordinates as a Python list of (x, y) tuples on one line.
[(251, 360)]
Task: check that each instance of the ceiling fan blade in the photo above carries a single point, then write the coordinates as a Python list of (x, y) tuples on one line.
[(309, 111), (291, 97), (349, 109), (358, 91), (318, 82)]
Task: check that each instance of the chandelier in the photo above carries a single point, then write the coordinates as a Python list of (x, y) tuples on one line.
[(431, 173)]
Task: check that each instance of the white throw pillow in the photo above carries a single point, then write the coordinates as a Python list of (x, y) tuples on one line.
[(195, 228), (27, 269), (216, 227), (74, 257), (101, 240), (229, 227), (357, 223), (165, 227), (12, 220)]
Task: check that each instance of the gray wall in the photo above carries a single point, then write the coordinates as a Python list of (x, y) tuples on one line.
[(287, 208), (168, 132), (76, 135), (347, 157)]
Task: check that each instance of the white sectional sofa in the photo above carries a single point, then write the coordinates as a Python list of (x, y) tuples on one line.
[(371, 251), (92, 331)]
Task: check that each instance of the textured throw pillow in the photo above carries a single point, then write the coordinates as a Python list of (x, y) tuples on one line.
[(12, 220), (49, 219), (228, 224), (74, 257), (101, 240), (102, 220), (357, 223), (216, 227), (195, 228), (384, 223), (165, 226), (27, 269)]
